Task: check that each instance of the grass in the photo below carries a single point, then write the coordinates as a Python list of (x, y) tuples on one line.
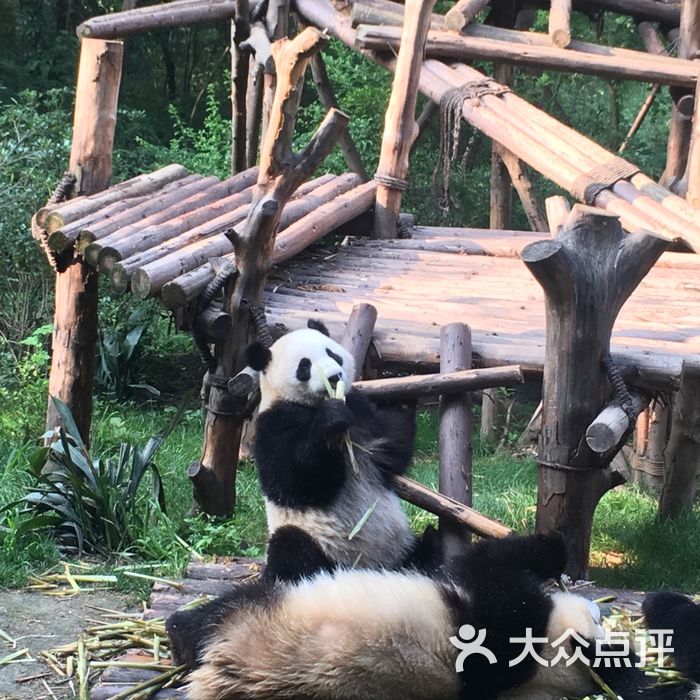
[(630, 548)]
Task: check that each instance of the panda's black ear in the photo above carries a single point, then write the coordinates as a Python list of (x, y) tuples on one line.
[(319, 326), (258, 356)]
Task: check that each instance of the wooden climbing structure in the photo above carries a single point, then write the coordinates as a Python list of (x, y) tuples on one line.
[(222, 253)]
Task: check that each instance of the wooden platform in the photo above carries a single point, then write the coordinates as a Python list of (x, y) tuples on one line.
[(214, 579), (470, 275)]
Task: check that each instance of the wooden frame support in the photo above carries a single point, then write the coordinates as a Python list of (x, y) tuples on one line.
[(358, 334), (650, 442), (560, 23), (400, 128), (75, 316), (281, 172), (240, 76), (455, 435), (587, 272), (683, 449), (463, 13)]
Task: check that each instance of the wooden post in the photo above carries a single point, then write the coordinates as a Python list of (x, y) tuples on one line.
[(75, 316), (587, 272), (650, 445), (240, 59), (455, 435), (491, 415), (281, 172), (560, 23), (683, 450), (501, 206), (679, 136), (358, 334), (464, 12), (692, 173), (525, 189), (558, 209), (400, 128), (325, 92)]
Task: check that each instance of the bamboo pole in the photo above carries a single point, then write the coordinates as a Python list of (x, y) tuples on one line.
[(400, 128), (121, 24), (75, 315)]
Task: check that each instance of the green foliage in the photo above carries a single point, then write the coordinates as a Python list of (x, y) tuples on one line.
[(92, 504), (206, 150)]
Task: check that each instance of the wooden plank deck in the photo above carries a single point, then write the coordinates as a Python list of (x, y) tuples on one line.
[(422, 283)]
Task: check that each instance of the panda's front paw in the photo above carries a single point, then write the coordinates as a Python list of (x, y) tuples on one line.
[(334, 420)]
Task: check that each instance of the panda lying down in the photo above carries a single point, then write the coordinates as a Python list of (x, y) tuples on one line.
[(386, 635)]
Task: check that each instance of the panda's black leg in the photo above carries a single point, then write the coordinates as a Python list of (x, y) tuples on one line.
[(425, 555), (189, 630), (292, 554)]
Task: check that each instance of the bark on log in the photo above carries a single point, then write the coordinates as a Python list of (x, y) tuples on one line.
[(509, 46), (147, 279), (121, 24), (448, 508), (253, 111), (187, 287), (683, 450), (97, 241), (281, 172), (560, 22), (558, 209), (240, 74), (214, 323), (358, 335), (75, 315), (609, 427), (325, 92), (463, 13), (587, 272), (55, 218), (455, 436), (447, 383), (400, 128)]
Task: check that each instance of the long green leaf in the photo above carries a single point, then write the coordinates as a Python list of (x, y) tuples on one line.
[(68, 421)]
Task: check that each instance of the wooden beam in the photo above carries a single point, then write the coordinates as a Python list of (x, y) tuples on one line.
[(680, 129), (692, 173), (683, 450), (560, 22), (587, 272), (358, 334), (240, 73), (463, 13), (325, 92), (455, 435), (75, 315), (143, 19), (400, 128), (526, 191), (527, 49), (558, 209)]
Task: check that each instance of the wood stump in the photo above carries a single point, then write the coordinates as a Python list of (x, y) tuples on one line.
[(587, 272)]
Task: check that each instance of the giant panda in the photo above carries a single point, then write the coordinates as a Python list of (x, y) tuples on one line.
[(314, 498), (356, 634)]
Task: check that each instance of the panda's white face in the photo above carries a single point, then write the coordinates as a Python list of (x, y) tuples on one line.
[(300, 361)]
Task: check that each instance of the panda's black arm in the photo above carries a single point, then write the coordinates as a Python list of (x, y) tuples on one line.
[(388, 432), (300, 452)]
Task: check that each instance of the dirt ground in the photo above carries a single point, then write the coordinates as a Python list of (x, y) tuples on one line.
[(40, 622)]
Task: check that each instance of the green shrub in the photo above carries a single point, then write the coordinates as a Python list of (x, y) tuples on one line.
[(90, 504)]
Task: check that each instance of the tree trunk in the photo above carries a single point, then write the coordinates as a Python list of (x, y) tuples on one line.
[(587, 272), (75, 316)]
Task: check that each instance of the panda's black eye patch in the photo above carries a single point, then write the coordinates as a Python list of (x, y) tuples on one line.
[(335, 357), (304, 369)]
